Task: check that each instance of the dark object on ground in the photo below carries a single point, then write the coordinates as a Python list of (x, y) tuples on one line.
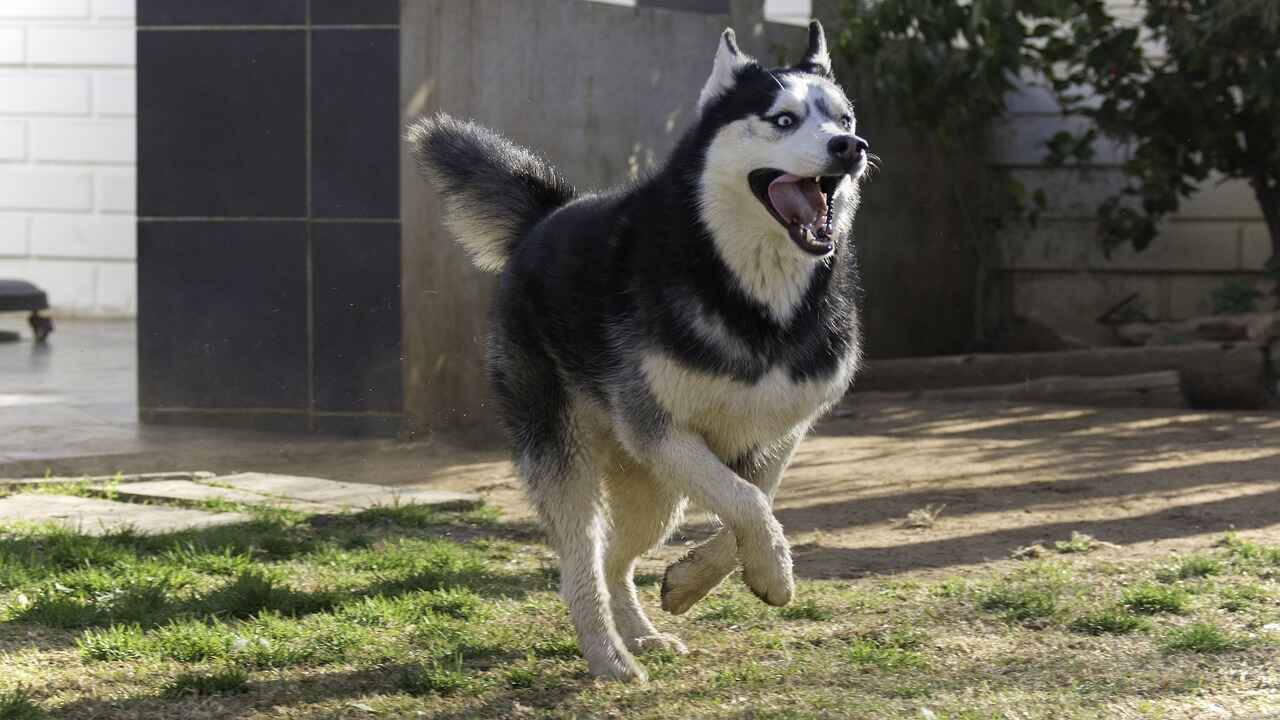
[(1028, 334), (19, 295), (1228, 376)]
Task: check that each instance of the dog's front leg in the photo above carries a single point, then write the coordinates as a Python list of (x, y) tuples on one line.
[(683, 459), (693, 576)]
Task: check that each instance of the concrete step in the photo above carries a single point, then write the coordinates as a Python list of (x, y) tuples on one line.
[(344, 495), (194, 491), (104, 479), (92, 516)]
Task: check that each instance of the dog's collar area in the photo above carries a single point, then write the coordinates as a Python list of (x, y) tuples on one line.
[(802, 205)]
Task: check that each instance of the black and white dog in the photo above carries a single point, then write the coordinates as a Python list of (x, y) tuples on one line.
[(671, 340)]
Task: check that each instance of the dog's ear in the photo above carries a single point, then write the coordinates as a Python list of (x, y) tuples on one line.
[(817, 59), (729, 60)]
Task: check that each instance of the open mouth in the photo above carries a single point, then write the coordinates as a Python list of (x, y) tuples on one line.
[(801, 204)]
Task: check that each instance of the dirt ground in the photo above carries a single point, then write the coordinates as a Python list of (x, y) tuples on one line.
[(1007, 476)]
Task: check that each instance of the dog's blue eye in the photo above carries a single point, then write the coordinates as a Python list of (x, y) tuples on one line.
[(847, 121), (785, 120)]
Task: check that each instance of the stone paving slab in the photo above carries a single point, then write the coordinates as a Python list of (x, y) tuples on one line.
[(187, 490), (340, 494), (92, 516), (105, 479)]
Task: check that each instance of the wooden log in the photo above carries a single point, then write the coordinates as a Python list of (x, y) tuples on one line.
[(1160, 389), (1213, 375)]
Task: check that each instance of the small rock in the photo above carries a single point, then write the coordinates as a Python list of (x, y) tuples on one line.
[(1136, 333), (1029, 552), (1271, 627)]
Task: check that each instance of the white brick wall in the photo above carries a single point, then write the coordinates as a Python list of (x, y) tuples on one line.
[(68, 150)]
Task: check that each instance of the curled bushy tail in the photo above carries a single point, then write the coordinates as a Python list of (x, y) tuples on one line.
[(494, 190)]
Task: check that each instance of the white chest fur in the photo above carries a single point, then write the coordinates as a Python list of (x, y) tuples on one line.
[(735, 416)]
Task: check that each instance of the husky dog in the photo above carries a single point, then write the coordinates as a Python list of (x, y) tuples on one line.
[(668, 341)]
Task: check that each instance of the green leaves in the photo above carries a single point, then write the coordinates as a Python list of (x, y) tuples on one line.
[(1192, 91), (1206, 105)]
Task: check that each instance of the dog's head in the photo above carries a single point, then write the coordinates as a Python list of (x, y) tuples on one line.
[(783, 152)]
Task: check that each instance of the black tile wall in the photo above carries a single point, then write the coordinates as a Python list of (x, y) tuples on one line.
[(222, 314), (355, 99), (222, 123), (273, 421), (269, 266), (362, 425), (357, 293), (222, 12), (355, 12)]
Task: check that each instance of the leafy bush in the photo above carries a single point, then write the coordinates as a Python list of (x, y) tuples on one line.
[(1234, 297), (1209, 104)]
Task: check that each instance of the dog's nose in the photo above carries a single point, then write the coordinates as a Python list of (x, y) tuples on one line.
[(847, 147)]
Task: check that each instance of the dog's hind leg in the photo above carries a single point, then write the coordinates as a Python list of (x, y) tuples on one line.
[(693, 576), (566, 490), (642, 513)]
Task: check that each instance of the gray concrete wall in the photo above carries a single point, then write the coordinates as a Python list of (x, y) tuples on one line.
[(919, 229), (604, 91)]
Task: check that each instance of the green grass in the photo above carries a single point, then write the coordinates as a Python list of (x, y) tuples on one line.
[(1079, 543), (564, 645), (521, 678), (807, 609), (1110, 621), (1020, 604), (1191, 568), (1238, 598), (17, 705), (886, 651), (1203, 637), (745, 675), (731, 610), (191, 641), (114, 643), (225, 681), (1152, 599), (647, 580), (383, 610), (436, 679), (1251, 557)]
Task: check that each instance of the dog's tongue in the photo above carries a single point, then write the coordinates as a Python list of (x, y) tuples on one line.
[(797, 200)]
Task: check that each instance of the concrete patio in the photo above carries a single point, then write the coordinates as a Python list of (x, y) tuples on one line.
[(76, 397), (69, 409)]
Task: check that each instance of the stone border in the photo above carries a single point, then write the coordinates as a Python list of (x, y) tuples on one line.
[(194, 476)]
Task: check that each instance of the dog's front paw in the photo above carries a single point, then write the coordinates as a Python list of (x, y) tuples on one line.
[(768, 574), (657, 642), (687, 581)]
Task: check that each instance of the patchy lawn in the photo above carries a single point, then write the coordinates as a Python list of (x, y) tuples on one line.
[(405, 612)]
